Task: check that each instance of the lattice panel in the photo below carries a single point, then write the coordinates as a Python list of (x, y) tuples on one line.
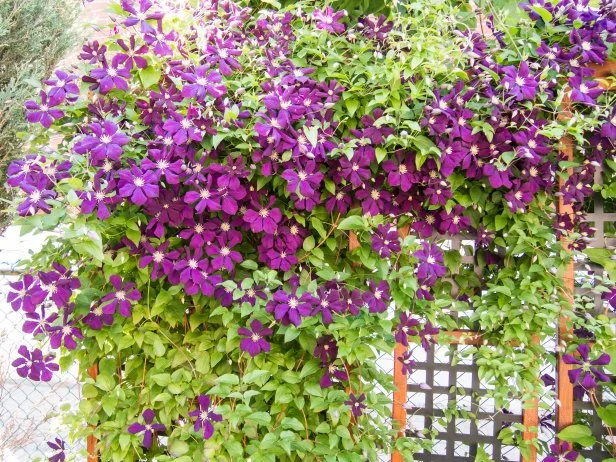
[(585, 413), (444, 380)]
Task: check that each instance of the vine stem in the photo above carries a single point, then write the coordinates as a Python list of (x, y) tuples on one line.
[(331, 230)]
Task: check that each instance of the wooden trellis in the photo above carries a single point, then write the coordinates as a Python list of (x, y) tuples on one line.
[(529, 415)]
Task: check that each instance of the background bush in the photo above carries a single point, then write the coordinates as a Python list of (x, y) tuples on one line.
[(34, 36)]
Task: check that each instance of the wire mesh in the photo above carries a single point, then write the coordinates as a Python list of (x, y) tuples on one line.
[(29, 411)]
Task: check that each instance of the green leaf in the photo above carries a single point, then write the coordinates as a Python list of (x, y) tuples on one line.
[(580, 434), (352, 105), (162, 379), (352, 222), (309, 243), (261, 418), (228, 379), (258, 376), (545, 14), (292, 423), (149, 76), (608, 414)]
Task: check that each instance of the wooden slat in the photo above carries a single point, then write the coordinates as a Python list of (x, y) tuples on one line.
[(92, 442)]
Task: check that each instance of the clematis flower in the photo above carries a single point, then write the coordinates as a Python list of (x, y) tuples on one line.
[(222, 251), (584, 91), (148, 428), (430, 259), (376, 28), (589, 373), (385, 241), (206, 196), (562, 452), (407, 362), (99, 198), (161, 258), (138, 185), (332, 371), (37, 324), (326, 349), (202, 82), (222, 53), (428, 335), (608, 129), (26, 294), (34, 365), (58, 284), (289, 308), (306, 179), (43, 113), (58, 446), (401, 173), (455, 221), (141, 15), (519, 83), (66, 333), (160, 41), (205, 416), (105, 143), (610, 297), (377, 298), (263, 218), (130, 56), (63, 87), (406, 328), (97, 318), (329, 20), (111, 77), (356, 403), (328, 303), (255, 342), (121, 298)]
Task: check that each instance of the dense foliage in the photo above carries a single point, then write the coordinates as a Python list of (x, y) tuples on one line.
[(250, 206), (34, 35)]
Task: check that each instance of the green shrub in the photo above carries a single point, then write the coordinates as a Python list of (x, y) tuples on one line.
[(34, 35)]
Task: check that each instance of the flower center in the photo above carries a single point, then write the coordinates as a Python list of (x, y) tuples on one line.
[(205, 194), (402, 169), (162, 164), (302, 176), (120, 295), (139, 182), (519, 81), (192, 263), (293, 302), (375, 194), (105, 139), (158, 256), (35, 196), (225, 251), (112, 72), (186, 124), (518, 195), (255, 337), (264, 213), (431, 260), (202, 81), (66, 330)]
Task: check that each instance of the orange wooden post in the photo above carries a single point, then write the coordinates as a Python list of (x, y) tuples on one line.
[(92, 442), (530, 420)]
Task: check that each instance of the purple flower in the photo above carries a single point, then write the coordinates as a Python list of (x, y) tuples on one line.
[(484, 237), (105, 142), (401, 173), (455, 221), (407, 362), (206, 196), (329, 21), (263, 218), (326, 349), (385, 240), (203, 81), (332, 371), (114, 76), (130, 57), (37, 196), (162, 259), (520, 196), (66, 333), (138, 185), (305, 181), (427, 335), (561, 452), (222, 251), (43, 113), (289, 308), (25, 294), (377, 298), (519, 83), (58, 284), (121, 297), (584, 91), (160, 40), (58, 447), (205, 416), (328, 302), (140, 16), (97, 318), (406, 328), (34, 365), (100, 197), (255, 342), (63, 87), (149, 428), (356, 404), (609, 296), (588, 374), (222, 53), (375, 28), (430, 262), (37, 324), (608, 129)]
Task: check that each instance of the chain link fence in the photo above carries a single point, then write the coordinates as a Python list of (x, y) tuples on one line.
[(29, 411)]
